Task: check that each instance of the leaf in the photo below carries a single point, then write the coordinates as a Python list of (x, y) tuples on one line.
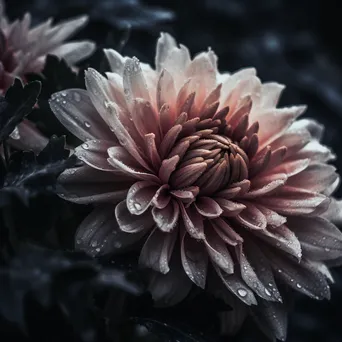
[(29, 176), (17, 103)]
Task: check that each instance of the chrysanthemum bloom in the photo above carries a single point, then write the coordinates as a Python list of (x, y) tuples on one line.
[(204, 170), (24, 49)]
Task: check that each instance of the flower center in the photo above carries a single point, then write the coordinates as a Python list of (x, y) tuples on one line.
[(211, 158)]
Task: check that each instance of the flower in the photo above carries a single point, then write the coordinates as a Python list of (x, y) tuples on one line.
[(24, 49), (206, 172)]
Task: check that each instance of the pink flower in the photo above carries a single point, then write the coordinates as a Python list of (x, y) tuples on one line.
[(204, 170), (24, 49)]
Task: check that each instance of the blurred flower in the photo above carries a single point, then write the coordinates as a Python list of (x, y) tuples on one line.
[(24, 49), (207, 172)]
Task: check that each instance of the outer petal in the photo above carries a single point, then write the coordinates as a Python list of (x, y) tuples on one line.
[(99, 233)]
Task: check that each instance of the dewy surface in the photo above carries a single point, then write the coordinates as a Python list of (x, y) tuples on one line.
[(207, 172)]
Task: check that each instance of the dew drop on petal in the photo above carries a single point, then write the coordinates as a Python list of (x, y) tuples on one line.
[(299, 286), (64, 102), (268, 292), (94, 244), (137, 205), (85, 146), (97, 250), (242, 292), (77, 97), (327, 249), (87, 124), (64, 94)]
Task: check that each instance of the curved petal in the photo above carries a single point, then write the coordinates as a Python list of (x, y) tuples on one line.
[(208, 207), (140, 196), (157, 250), (252, 218), (99, 233), (166, 218), (94, 153), (193, 221), (132, 223), (194, 260), (75, 110)]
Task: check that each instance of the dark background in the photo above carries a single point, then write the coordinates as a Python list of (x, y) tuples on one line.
[(294, 42)]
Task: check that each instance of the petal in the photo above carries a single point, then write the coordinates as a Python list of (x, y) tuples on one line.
[(320, 239), (122, 160), (271, 318), (157, 250), (236, 285), (166, 218), (316, 177), (274, 122), (99, 234), (165, 44), (86, 185), (132, 223), (167, 167), (74, 109), (315, 152), (250, 277), (218, 252), (193, 221), (115, 60), (226, 232), (230, 208), (74, 52), (94, 153), (30, 138), (208, 207), (194, 260), (251, 217), (291, 168), (300, 276), (293, 201), (140, 196), (270, 94), (282, 238), (166, 92), (134, 82), (171, 288), (187, 175), (273, 218)]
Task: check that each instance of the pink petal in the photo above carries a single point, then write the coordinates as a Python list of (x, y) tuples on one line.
[(162, 197), (115, 60), (187, 175), (273, 218), (230, 208), (270, 93), (157, 250), (293, 201), (165, 44), (208, 207), (169, 140), (291, 168), (194, 260), (316, 177), (132, 223), (140, 196), (166, 92), (251, 217), (166, 218), (167, 167), (274, 122)]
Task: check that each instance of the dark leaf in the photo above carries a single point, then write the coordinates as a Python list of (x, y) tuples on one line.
[(29, 175), (17, 103)]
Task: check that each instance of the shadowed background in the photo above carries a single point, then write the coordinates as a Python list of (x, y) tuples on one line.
[(294, 42)]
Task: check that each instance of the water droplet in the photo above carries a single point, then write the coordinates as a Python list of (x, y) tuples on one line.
[(279, 271), (77, 97), (278, 244), (137, 206), (327, 249), (85, 146), (94, 244), (268, 292), (64, 94), (64, 102), (299, 286), (15, 134), (270, 284), (97, 250), (291, 280), (242, 292), (87, 124)]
